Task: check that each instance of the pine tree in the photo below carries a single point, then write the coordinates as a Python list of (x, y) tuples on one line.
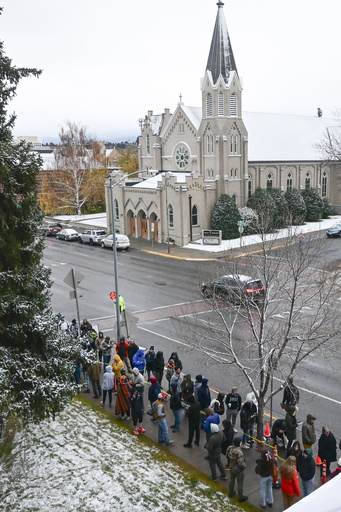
[(314, 204), (297, 208), (35, 359), (225, 217)]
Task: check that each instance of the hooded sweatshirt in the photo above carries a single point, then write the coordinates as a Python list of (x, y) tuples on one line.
[(108, 379), (137, 379), (139, 360), (117, 366), (204, 394)]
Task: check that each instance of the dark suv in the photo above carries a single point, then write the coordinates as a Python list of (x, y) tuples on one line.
[(53, 229), (234, 288)]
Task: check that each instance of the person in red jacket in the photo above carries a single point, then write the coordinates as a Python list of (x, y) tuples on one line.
[(290, 483)]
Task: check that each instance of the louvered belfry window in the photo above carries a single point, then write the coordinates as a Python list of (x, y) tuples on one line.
[(209, 105)]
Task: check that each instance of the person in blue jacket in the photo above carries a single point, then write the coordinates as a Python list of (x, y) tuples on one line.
[(139, 360)]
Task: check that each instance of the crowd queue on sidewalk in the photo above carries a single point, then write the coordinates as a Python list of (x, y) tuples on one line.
[(123, 369)]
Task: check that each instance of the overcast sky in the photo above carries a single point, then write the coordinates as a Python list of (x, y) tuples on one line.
[(107, 62)]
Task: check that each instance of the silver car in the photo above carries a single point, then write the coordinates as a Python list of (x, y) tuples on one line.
[(122, 242), (68, 234)]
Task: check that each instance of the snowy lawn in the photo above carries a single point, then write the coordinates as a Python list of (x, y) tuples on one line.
[(82, 461)]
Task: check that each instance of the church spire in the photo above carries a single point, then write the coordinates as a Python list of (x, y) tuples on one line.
[(221, 60)]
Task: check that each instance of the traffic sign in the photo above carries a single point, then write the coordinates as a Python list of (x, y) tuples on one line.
[(69, 278), (240, 223), (112, 295)]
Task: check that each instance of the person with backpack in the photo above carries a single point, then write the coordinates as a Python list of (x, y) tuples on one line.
[(150, 356), (265, 469), (237, 466)]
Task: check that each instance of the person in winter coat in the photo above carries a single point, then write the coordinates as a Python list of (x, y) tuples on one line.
[(211, 417), (177, 362), (217, 404), (228, 432), (196, 386), (122, 350), (107, 385), (327, 448), (136, 406), (177, 378), (291, 395), (214, 451), (306, 470), (132, 349), (233, 405), (106, 347), (265, 469), (170, 372), (175, 406), (248, 416), (150, 356), (159, 365), (139, 361), (137, 381), (291, 424), (94, 372), (295, 450), (122, 406), (237, 466), (117, 367), (308, 431), (289, 481), (204, 398), (153, 391), (337, 471), (193, 415), (278, 432), (186, 388)]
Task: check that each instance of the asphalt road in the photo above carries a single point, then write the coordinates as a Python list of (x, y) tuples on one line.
[(157, 289)]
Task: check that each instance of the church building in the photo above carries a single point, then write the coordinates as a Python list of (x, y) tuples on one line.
[(189, 158)]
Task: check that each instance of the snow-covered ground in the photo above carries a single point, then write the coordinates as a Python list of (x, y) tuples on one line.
[(100, 220), (84, 462)]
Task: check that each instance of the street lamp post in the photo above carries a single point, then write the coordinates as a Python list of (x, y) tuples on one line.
[(167, 176), (190, 218)]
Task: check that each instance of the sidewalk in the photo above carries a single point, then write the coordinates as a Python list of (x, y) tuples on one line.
[(195, 456)]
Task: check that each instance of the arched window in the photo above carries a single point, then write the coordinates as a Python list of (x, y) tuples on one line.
[(209, 174), (307, 181), (195, 221), (234, 197), (221, 104), (148, 144), (249, 187), (269, 181), (234, 144), (117, 211), (324, 184), (233, 104), (289, 181), (209, 105), (209, 144), (170, 216)]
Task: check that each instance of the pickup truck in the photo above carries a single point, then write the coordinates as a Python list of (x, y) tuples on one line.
[(92, 236)]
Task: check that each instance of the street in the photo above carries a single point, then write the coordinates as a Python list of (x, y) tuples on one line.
[(156, 291)]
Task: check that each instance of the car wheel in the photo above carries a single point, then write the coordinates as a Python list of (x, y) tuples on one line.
[(91, 242), (80, 240), (102, 245)]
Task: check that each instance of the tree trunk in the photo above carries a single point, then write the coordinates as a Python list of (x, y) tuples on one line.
[(260, 420)]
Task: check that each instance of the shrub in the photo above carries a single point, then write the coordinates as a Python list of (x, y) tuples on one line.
[(225, 217)]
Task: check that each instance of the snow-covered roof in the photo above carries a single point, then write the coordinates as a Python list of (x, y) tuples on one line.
[(152, 183), (284, 137), (194, 114), (155, 123)]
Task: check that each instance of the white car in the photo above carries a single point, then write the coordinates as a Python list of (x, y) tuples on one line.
[(67, 234), (122, 242)]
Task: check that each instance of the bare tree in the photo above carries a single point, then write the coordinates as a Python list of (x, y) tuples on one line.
[(75, 159), (330, 144), (297, 317)]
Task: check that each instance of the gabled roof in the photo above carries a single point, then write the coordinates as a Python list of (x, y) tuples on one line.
[(221, 60)]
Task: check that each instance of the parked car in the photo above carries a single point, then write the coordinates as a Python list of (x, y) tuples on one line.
[(67, 234), (92, 236), (334, 231), (234, 288), (122, 242), (53, 229)]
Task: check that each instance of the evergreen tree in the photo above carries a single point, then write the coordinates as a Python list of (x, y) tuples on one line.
[(35, 359), (265, 207), (281, 214), (225, 217), (328, 209), (314, 204), (297, 208)]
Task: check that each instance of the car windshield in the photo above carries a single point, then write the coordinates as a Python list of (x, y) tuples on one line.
[(100, 233)]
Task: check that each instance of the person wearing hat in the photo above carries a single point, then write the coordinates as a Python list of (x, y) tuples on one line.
[(214, 450), (237, 465), (308, 431), (160, 415), (306, 469), (337, 471), (150, 356)]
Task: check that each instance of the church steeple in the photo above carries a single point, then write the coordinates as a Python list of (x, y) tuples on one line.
[(221, 60)]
